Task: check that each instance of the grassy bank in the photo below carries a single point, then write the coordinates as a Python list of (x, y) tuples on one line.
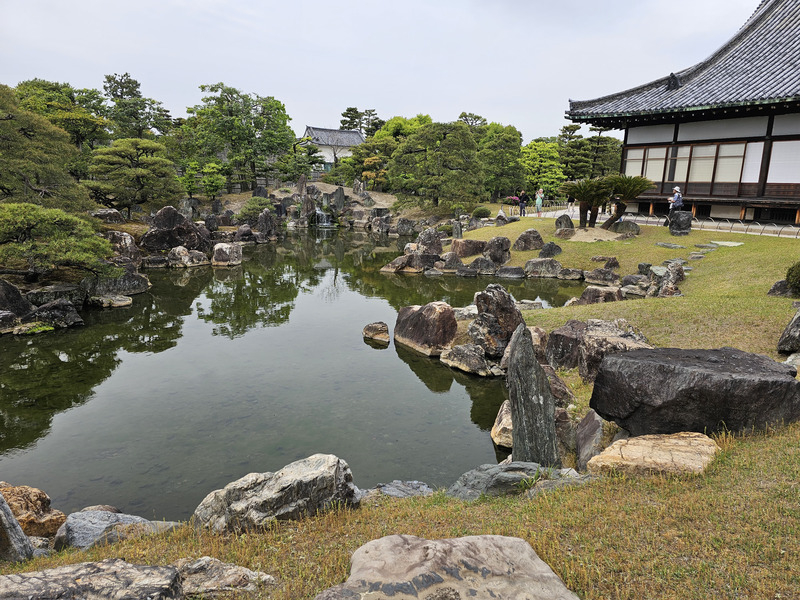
[(728, 534)]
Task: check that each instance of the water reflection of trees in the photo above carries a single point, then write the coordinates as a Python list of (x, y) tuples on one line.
[(47, 374)]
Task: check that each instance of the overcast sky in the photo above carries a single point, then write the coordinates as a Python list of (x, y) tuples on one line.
[(516, 62)]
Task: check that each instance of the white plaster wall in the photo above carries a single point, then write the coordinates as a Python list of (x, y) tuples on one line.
[(723, 129)]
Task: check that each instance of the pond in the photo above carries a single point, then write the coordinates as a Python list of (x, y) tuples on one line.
[(216, 373)]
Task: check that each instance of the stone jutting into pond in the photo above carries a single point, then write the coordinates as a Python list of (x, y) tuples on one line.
[(428, 329), (532, 404)]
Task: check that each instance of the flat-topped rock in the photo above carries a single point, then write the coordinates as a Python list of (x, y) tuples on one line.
[(686, 453)]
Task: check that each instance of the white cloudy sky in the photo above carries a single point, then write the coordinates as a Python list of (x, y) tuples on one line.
[(516, 62)]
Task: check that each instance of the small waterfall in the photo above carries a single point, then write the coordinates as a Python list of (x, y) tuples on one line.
[(322, 219)]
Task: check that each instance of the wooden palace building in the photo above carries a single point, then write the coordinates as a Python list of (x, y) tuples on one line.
[(726, 131)]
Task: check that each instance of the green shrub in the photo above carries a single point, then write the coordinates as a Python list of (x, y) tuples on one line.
[(481, 212), (447, 228), (252, 208), (793, 277)]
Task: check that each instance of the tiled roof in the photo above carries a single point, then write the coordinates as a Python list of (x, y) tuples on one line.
[(342, 138), (760, 65)]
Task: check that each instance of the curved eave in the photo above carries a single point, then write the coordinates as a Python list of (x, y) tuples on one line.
[(620, 120)]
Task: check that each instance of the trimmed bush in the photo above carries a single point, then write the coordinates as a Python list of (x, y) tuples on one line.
[(793, 277), (481, 212)]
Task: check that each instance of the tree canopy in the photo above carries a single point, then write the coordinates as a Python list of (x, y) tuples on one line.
[(246, 130), (34, 159), (38, 240), (132, 171)]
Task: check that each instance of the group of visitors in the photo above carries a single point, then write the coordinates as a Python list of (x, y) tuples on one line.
[(524, 200)]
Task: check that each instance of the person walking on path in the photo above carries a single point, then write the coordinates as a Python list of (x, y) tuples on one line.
[(539, 202), (523, 202)]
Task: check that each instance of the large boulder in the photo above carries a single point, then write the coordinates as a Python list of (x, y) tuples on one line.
[(469, 358), (58, 313), (495, 480), (267, 223), (589, 439), (207, 577), (226, 255), (111, 578), (109, 215), (543, 267), (549, 250), (171, 229), (14, 544), (467, 247), (89, 528), (789, 341), (487, 566), (532, 404), (496, 301), (686, 453), (502, 430), (129, 283), (428, 329), (528, 240), (31, 508), (497, 250), (429, 242), (304, 487), (124, 245), (181, 257), (563, 344), (564, 222), (681, 223), (12, 300), (595, 294), (669, 390)]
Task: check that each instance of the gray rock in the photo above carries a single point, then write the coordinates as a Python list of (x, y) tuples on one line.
[(625, 227), (497, 250), (378, 331), (429, 242), (681, 223), (469, 358), (304, 487), (495, 480), (789, 341), (267, 223), (502, 430), (510, 273), (670, 390), (483, 266), (111, 578), (451, 262), (400, 489), (601, 276), (226, 255), (207, 577), (593, 294), (549, 250), (94, 528), (124, 245), (129, 283), (497, 302), (489, 566), (670, 245), (12, 300), (181, 257), (428, 329), (563, 344), (109, 215), (781, 288), (564, 222), (570, 274), (532, 403), (468, 247), (171, 229), (543, 267), (14, 544), (589, 438), (58, 313)]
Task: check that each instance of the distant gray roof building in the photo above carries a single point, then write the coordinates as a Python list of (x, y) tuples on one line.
[(758, 68), (341, 138)]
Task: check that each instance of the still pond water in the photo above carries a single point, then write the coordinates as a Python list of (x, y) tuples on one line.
[(214, 374)]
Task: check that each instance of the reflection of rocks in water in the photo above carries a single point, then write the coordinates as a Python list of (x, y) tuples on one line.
[(229, 273), (184, 277), (437, 377)]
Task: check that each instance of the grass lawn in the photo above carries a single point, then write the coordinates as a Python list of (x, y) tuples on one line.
[(731, 533)]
